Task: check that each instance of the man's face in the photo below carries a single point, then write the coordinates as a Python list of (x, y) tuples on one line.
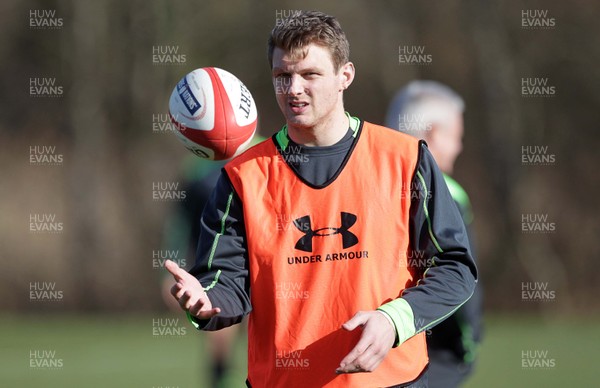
[(445, 141), (308, 90)]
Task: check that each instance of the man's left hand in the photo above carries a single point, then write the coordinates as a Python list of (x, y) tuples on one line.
[(378, 336)]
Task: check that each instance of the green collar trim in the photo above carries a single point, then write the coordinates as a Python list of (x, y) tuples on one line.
[(354, 124), (283, 139)]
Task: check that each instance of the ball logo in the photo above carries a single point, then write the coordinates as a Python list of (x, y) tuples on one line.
[(245, 100), (188, 98), (199, 153)]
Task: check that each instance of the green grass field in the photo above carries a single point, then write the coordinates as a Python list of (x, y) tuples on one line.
[(113, 351)]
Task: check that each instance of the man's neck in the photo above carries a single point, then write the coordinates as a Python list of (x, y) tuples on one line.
[(323, 134)]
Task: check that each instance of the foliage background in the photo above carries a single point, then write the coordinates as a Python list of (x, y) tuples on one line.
[(102, 125)]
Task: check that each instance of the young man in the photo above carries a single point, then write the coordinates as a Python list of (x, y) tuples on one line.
[(310, 233), (433, 112)]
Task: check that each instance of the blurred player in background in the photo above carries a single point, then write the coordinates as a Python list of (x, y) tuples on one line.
[(181, 234), (433, 112)]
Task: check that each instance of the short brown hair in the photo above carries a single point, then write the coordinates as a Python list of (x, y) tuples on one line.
[(302, 28)]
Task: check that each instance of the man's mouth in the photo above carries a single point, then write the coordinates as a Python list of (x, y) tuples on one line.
[(298, 104), (298, 107)]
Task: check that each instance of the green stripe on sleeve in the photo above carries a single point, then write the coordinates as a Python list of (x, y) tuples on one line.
[(433, 264), (214, 282), (404, 320), (216, 240), (446, 316), (426, 210), (437, 246), (192, 320)]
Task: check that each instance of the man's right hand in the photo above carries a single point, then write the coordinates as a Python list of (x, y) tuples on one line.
[(190, 294)]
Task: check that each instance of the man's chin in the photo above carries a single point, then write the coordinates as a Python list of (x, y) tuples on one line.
[(298, 121)]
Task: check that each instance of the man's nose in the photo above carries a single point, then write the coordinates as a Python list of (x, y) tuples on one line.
[(296, 85)]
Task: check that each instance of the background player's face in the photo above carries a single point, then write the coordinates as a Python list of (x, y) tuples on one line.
[(445, 141), (308, 90)]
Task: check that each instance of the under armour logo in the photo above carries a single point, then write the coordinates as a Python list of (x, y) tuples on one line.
[(305, 242)]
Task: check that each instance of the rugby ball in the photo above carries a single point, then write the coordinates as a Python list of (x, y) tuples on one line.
[(214, 113)]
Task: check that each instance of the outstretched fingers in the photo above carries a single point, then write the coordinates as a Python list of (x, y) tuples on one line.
[(374, 344), (189, 293)]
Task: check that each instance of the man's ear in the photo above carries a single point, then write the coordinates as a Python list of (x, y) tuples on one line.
[(346, 75)]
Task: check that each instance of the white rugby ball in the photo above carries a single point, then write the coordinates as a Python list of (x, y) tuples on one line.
[(214, 113)]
